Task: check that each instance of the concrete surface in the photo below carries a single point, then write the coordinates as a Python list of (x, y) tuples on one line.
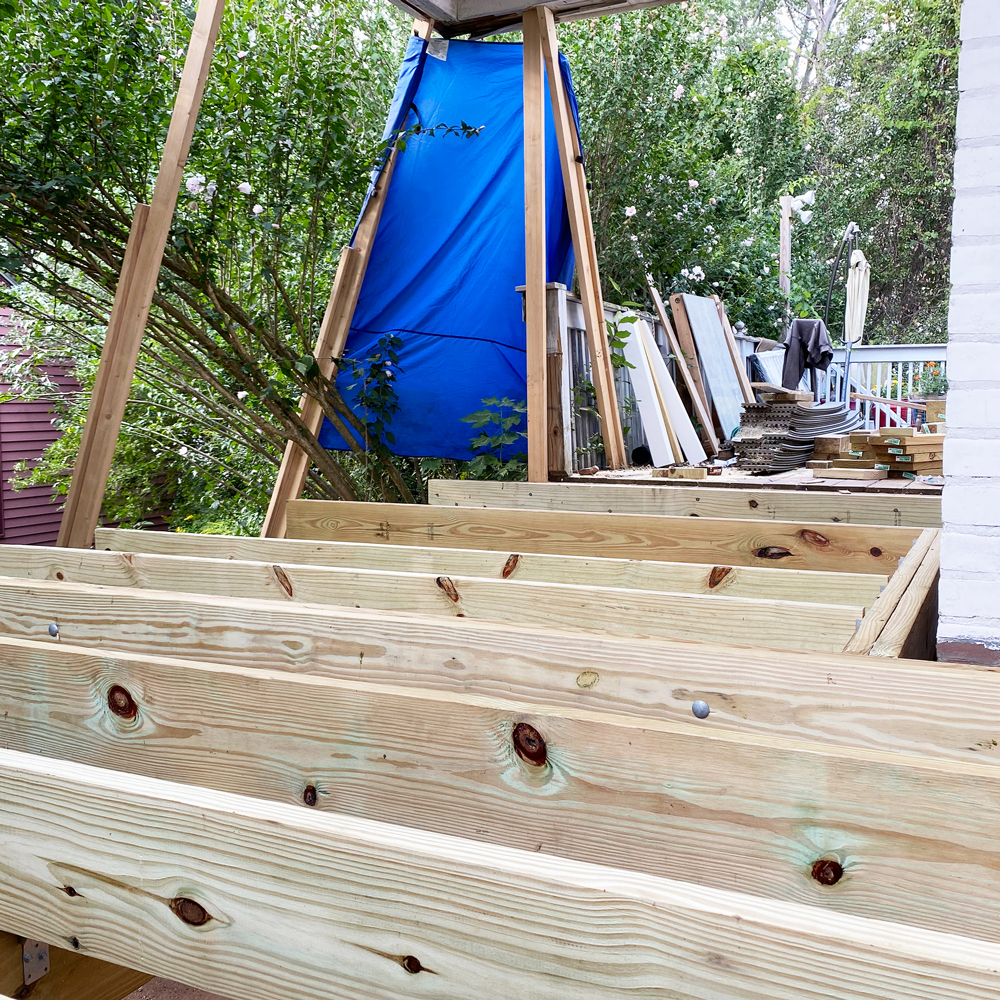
[(163, 989)]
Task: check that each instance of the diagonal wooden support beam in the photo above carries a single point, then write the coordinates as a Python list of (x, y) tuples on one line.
[(134, 295), (581, 226), (333, 331)]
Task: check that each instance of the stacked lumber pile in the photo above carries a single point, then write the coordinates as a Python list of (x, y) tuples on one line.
[(902, 450), (437, 751), (889, 452)]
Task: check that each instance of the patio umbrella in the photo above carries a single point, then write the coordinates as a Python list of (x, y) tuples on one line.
[(856, 310)]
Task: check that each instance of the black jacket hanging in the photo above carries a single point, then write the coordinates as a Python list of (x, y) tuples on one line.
[(807, 346)]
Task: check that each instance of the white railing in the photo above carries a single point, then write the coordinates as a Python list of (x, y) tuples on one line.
[(882, 381)]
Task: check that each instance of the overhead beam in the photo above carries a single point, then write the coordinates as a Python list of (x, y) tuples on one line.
[(913, 706), (681, 500), (361, 907), (39, 562), (362, 750), (838, 547), (761, 621), (134, 294)]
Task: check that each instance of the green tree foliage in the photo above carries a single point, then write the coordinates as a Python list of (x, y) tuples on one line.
[(287, 135)]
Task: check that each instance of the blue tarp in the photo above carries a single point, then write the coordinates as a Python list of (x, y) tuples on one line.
[(449, 251)]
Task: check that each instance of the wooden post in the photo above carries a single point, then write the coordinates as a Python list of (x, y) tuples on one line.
[(134, 295), (559, 388), (785, 247), (333, 331), (534, 248), (581, 226)]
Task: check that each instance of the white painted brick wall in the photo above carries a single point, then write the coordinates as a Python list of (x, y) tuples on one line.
[(969, 622)]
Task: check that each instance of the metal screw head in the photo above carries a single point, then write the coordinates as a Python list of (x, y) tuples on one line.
[(700, 709), (54, 630)]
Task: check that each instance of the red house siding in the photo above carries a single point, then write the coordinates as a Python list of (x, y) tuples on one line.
[(32, 516)]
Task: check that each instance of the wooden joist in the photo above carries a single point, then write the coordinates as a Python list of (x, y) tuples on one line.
[(837, 547), (760, 621), (871, 628), (916, 707), (292, 555), (762, 504), (71, 976), (596, 786), (229, 893)]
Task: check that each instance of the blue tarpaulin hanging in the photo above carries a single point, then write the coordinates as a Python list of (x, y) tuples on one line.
[(449, 251)]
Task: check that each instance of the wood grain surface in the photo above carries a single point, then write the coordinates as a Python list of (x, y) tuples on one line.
[(842, 507), (759, 621), (901, 633), (839, 547), (913, 706), (604, 788), (632, 574), (71, 976), (364, 909)]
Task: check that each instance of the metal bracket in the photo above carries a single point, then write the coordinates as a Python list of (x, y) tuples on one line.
[(36, 960)]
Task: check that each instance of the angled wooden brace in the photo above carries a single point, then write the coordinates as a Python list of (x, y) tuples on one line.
[(332, 337), (581, 226), (134, 295)]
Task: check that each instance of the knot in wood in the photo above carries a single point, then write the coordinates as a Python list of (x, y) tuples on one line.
[(309, 795), (826, 871), (448, 587), (771, 552), (122, 703), (718, 574), (510, 565), (282, 577), (529, 745), (189, 911), (411, 963), (875, 551), (814, 537)]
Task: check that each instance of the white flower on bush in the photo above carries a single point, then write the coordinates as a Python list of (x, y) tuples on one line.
[(242, 54), (685, 273), (629, 211), (210, 190), (679, 92), (766, 270), (182, 451), (748, 242), (258, 209), (697, 274), (195, 184), (635, 239), (244, 188), (692, 184), (242, 394), (161, 58)]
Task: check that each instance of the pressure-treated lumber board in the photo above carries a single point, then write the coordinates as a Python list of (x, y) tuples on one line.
[(602, 374), (916, 707), (357, 908), (871, 628), (760, 621), (38, 562), (912, 627), (683, 501), (134, 294), (448, 763), (839, 547), (534, 249), (71, 976)]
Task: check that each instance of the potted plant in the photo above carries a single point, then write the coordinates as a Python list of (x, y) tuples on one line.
[(932, 389)]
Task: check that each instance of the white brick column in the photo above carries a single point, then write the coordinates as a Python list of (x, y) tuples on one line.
[(969, 623)]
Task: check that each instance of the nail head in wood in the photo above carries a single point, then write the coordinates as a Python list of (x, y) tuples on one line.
[(700, 709)]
